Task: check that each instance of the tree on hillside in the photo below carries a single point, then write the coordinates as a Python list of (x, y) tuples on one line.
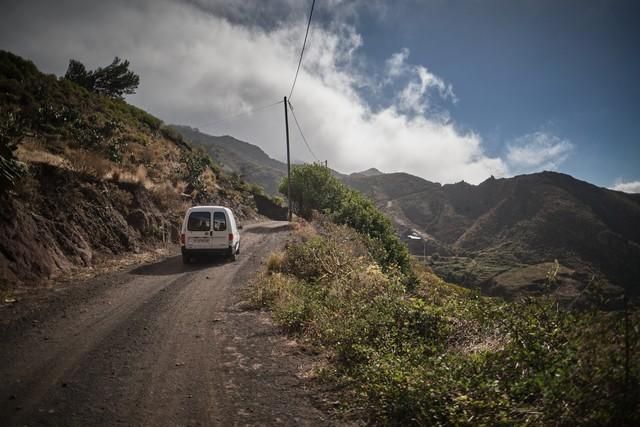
[(76, 72), (313, 187), (114, 80)]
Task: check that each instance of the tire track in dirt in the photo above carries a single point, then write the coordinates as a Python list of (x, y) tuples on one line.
[(164, 345)]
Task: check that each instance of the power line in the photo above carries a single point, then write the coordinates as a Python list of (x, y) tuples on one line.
[(252, 110), (295, 119), (302, 52)]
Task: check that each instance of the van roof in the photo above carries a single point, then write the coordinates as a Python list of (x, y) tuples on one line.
[(206, 208)]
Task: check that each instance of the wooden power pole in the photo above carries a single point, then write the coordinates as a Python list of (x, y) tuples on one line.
[(286, 125)]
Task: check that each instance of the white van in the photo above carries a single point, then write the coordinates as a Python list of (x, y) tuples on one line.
[(209, 230)]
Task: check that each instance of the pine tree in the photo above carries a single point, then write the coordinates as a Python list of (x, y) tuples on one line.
[(114, 80)]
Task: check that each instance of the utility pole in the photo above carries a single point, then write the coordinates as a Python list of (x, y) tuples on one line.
[(286, 125), (424, 251)]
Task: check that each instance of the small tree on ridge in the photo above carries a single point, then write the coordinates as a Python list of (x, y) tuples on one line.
[(114, 80)]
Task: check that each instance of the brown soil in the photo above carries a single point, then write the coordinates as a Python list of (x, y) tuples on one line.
[(160, 344)]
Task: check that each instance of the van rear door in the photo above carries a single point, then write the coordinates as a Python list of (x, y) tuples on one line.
[(198, 232), (221, 230)]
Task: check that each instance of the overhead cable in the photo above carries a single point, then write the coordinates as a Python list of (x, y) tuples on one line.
[(295, 119), (302, 52)]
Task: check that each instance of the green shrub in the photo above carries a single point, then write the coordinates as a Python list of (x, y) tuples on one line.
[(444, 355), (314, 188), (194, 164)]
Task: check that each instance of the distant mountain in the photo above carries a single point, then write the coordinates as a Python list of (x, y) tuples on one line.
[(504, 234), (247, 160), (368, 172)]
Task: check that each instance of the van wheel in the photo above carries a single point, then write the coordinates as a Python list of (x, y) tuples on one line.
[(186, 259), (233, 255)]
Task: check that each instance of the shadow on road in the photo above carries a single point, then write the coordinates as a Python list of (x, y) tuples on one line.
[(267, 230), (174, 265)]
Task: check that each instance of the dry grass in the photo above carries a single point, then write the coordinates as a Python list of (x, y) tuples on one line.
[(274, 290), (33, 152), (168, 197), (209, 179), (141, 175), (88, 162), (180, 187), (159, 157), (137, 176), (304, 230), (275, 262)]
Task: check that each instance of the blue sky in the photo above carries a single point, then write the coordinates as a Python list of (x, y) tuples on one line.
[(570, 68), (447, 90)]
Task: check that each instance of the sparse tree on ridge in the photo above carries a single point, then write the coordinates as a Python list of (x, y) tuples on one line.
[(114, 80)]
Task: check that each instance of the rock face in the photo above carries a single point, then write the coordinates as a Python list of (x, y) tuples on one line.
[(71, 220), (481, 232), (139, 221)]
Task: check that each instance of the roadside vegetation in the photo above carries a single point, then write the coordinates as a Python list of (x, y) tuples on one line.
[(427, 352), (315, 189)]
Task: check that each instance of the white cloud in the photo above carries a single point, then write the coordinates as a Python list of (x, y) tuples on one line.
[(627, 186), (537, 151), (396, 64), (415, 95), (415, 98), (198, 65)]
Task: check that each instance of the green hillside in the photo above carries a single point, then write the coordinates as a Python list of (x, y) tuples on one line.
[(242, 158), (87, 177)]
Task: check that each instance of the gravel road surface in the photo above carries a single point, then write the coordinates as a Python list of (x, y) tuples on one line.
[(159, 344)]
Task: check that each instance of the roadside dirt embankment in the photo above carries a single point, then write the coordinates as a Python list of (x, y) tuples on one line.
[(61, 220)]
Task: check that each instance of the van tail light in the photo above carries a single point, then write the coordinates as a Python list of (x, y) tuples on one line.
[(231, 237), (182, 239)]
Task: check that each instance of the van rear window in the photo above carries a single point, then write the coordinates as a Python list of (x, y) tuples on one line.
[(219, 221), (199, 221)]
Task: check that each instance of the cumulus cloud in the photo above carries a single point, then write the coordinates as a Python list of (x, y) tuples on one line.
[(415, 96), (397, 63), (627, 186), (537, 151), (200, 62)]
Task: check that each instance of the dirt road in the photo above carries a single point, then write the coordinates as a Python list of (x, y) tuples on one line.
[(162, 344)]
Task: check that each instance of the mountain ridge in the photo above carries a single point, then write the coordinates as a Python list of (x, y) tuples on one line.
[(520, 221), (243, 158), (474, 233)]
